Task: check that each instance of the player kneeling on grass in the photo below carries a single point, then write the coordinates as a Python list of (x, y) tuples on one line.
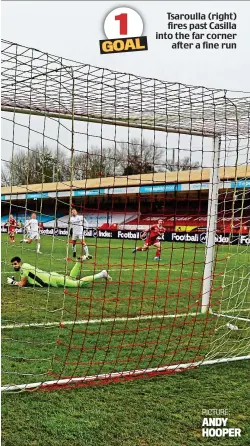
[(152, 239), (77, 223), (33, 233), (32, 276)]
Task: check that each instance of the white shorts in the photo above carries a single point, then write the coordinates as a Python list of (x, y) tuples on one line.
[(77, 237), (34, 236)]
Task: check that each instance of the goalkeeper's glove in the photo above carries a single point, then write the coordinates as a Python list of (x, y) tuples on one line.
[(11, 281)]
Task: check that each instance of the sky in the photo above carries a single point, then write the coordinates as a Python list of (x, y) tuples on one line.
[(73, 30)]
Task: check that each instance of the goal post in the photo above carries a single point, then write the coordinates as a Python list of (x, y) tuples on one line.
[(212, 216), (141, 192)]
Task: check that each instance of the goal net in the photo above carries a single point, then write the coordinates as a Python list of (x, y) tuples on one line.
[(125, 224)]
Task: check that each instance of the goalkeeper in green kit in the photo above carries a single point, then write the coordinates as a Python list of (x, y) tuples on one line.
[(32, 276)]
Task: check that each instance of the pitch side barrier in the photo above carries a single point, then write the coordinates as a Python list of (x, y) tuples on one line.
[(187, 237)]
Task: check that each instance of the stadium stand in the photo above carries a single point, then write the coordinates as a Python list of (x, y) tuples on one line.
[(94, 219), (130, 221), (189, 223)]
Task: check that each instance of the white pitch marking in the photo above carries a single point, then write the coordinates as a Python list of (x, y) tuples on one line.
[(217, 276), (66, 381), (116, 319), (232, 317), (236, 309), (98, 321), (126, 269)]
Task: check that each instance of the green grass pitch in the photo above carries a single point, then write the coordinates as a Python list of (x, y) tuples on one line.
[(132, 335)]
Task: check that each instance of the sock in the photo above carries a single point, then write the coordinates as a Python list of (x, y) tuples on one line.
[(38, 247), (139, 249), (98, 276), (86, 250), (92, 278), (76, 270), (158, 253)]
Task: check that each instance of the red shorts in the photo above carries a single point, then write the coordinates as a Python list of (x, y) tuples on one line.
[(11, 229), (150, 241)]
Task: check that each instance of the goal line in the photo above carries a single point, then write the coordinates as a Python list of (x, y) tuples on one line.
[(119, 319), (100, 321), (117, 375), (238, 318)]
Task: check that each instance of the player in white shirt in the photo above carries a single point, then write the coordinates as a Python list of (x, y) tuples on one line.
[(77, 224), (33, 233), (26, 229)]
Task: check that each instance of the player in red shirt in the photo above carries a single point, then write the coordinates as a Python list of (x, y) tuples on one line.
[(152, 239), (12, 225)]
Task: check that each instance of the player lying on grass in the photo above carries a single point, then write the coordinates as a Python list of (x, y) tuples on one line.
[(77, 223), (12, 225), (153, 235), (32, 231), (32, 276)]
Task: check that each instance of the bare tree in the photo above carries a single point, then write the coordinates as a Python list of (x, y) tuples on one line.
[(96, 163), (181, 164), (43, 164), (140, 156), (38, 165), (5, 179)]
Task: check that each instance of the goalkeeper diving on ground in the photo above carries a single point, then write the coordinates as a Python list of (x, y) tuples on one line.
[(32, 276)]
